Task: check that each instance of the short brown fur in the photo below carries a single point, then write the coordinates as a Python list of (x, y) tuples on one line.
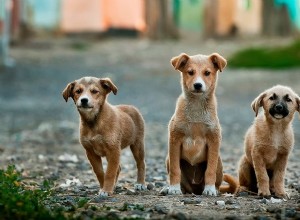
[(106, 129), (194, 130), (268, 142)]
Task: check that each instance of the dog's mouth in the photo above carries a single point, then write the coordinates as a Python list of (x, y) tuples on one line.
[(197, 92), (279, 114), (84, 107)]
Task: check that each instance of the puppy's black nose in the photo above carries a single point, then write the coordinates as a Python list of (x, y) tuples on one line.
[(84, 101), (278, 107), (197, 86)]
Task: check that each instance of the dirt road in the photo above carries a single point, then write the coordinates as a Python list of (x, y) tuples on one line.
[(38, 128)]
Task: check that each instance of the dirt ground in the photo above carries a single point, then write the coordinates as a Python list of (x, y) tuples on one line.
[(39, 131)]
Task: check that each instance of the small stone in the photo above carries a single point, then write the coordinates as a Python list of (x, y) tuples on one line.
[(161, 209), (164, 191), (191, 201), (230, 202), (220, 203), (177, 215), (158, 178), (264, 201), (150, 186), (273, 200), (273, 209), (243, 194), (130, 192), (230, 207), (118, 189), (159, 184), (290, 213)]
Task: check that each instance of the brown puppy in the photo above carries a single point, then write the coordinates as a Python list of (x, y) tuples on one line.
[(106, 129), (193, 160), (268, 142)]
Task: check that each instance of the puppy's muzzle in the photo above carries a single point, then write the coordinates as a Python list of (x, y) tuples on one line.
[(279, 110), (84, 103)]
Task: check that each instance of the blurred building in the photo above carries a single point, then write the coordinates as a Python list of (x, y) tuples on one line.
[(155, 18)]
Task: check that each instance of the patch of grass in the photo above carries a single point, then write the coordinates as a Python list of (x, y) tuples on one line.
[(18, 202), (271, 58), (127, 206), (80, 46)]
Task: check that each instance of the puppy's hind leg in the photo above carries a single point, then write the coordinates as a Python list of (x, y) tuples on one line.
[(138, 152), (247, 177)]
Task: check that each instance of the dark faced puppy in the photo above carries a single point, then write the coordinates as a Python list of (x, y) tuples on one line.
[(268, 142), (106, 129)]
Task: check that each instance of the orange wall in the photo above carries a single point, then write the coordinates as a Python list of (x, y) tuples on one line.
[(98, 15)]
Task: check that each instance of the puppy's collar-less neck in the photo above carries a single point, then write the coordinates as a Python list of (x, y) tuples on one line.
[(198, 109)]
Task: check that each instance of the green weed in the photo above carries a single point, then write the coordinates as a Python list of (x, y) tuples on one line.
[(272, 58), (18, 202)]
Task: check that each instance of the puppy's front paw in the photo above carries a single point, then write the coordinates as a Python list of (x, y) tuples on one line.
[(103, 194), (174, 190), (282, 194), (210, 190), (140, 187), (264, 193)]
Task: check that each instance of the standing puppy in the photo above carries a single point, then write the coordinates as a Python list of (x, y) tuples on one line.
[(193, 160), (268, 142), (106, 129)]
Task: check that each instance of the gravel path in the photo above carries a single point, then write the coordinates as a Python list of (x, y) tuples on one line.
[(39, 131)]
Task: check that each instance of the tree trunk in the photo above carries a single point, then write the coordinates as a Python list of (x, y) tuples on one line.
[(159, 19)]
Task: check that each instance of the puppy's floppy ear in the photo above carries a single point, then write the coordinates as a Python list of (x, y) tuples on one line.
[(218, 61), (68, 91), (180, 61), (257, 103), (298, 104), (108, 85)]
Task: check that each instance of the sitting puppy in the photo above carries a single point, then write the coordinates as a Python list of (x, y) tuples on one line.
[(106, 129), (268, 142), (193, 161)]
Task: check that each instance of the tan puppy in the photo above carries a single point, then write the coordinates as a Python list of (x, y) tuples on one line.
[(268, 142), (193, 160), (106, 129)]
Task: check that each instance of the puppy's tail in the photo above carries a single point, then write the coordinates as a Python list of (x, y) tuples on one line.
[(232, 186)]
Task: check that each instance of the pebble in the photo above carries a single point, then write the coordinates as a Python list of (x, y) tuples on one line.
[(131, 192), (220, 203), (161, 209), (230, 202), (150, 186), (191, 201), (177, 215), (289, 212), (243, 194), (164, 191), (159, 184)]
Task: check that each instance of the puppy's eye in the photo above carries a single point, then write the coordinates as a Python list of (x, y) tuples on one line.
[(190, 72), (94, 91), (288, 99), (206, 73), (78, 91), (273, 97)]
